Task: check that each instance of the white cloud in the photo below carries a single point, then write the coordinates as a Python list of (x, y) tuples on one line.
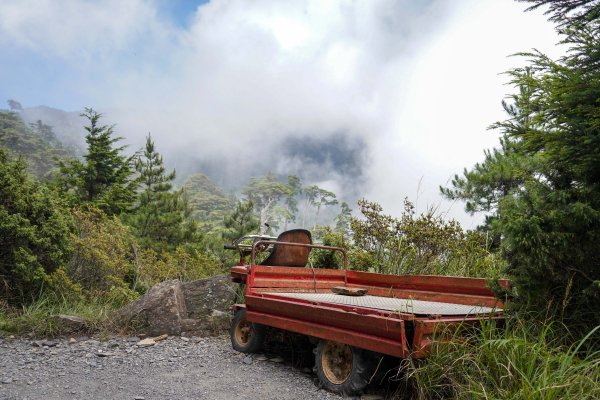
[(417, 82)]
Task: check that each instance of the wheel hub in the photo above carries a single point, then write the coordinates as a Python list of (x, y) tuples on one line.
[(337, 362), (243, 331)]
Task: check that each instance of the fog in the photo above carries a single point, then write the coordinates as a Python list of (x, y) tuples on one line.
[(375, 99)]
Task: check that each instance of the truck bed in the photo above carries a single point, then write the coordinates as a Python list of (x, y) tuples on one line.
[(408, 305), (399, 316)]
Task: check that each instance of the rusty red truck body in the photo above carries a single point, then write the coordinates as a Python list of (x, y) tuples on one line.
[(398, 316)]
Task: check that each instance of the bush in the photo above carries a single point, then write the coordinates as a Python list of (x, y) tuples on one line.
[(186, 263), (104, 256), (34, 232), (423, 244)]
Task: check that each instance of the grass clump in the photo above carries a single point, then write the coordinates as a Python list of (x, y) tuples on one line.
[(520, 360), (40, 318)]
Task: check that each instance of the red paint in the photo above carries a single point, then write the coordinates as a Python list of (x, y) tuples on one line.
[(372, 329)]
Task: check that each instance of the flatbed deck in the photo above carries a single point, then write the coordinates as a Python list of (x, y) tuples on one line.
[(400, 305)]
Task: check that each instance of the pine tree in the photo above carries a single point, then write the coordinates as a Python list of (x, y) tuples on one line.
[(161, 215), (242, 221), (105, 178), (543, 185)]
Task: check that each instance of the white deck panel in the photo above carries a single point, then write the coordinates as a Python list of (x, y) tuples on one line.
[(410, 306)]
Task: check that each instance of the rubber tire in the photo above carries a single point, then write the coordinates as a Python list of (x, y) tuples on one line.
[(363, 367), (257, 334)]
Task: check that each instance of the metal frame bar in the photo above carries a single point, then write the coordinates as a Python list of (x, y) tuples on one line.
[(312, 246)]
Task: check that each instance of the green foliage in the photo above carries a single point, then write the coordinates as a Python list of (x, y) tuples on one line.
[(423, 244), (342, 220), (34, 231), (208, 203), (40, 317), (544, 181), (104, 179), (160, 216), (185, 263), (37, 144), (520, 360), (242, 221), (104, 261), (327, 258)]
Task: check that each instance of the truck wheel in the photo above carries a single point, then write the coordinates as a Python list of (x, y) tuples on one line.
[(246, 337), (342, 368)]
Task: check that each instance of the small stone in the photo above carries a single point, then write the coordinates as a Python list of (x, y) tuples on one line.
[(217, 313), (103, 354), (261, 357), (133, 339), (72, 341), (51, 343), (139, 398), (6, 381), (247, 360), (159, 338), (72, 322), (146, 342), (277, 360), (185, 339), (113, 345)]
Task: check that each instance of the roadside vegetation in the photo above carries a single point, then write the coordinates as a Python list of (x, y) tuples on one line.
[(540, 190), (84, 236)]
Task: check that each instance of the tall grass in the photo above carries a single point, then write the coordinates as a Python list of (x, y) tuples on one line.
[(39, 319), (520, 360)]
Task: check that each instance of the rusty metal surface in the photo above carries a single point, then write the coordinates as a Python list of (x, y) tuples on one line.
[(290, 256), (352, 337), (410, 306)]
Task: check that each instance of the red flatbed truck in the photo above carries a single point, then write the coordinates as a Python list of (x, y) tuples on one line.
[(397, 317)]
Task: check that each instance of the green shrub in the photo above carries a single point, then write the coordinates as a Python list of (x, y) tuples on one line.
[(34, 232), (186, 263), (418, 244), (104, 255), (521, 360)]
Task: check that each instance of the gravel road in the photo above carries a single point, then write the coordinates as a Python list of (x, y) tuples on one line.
[(175, 368)]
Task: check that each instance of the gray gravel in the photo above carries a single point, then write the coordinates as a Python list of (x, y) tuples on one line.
[(176, 368)]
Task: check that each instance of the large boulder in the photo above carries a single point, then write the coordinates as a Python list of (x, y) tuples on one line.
[(199, 307)]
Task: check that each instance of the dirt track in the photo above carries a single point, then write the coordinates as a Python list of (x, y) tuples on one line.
[(176, 368)]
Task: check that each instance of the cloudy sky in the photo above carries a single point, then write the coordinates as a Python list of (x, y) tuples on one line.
[(400, 92)]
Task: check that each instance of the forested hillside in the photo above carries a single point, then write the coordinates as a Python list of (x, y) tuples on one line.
[(115, 223), (94, 229), (37, 143)]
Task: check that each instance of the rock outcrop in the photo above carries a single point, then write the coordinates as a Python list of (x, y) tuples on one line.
[(200, 307)]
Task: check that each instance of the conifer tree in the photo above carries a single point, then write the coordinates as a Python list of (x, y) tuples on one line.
[(242, 221), (543, 185), (105, 178), (161, 215)]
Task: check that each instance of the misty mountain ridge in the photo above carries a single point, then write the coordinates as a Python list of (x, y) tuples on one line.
[(337, 158), (334, 161)]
